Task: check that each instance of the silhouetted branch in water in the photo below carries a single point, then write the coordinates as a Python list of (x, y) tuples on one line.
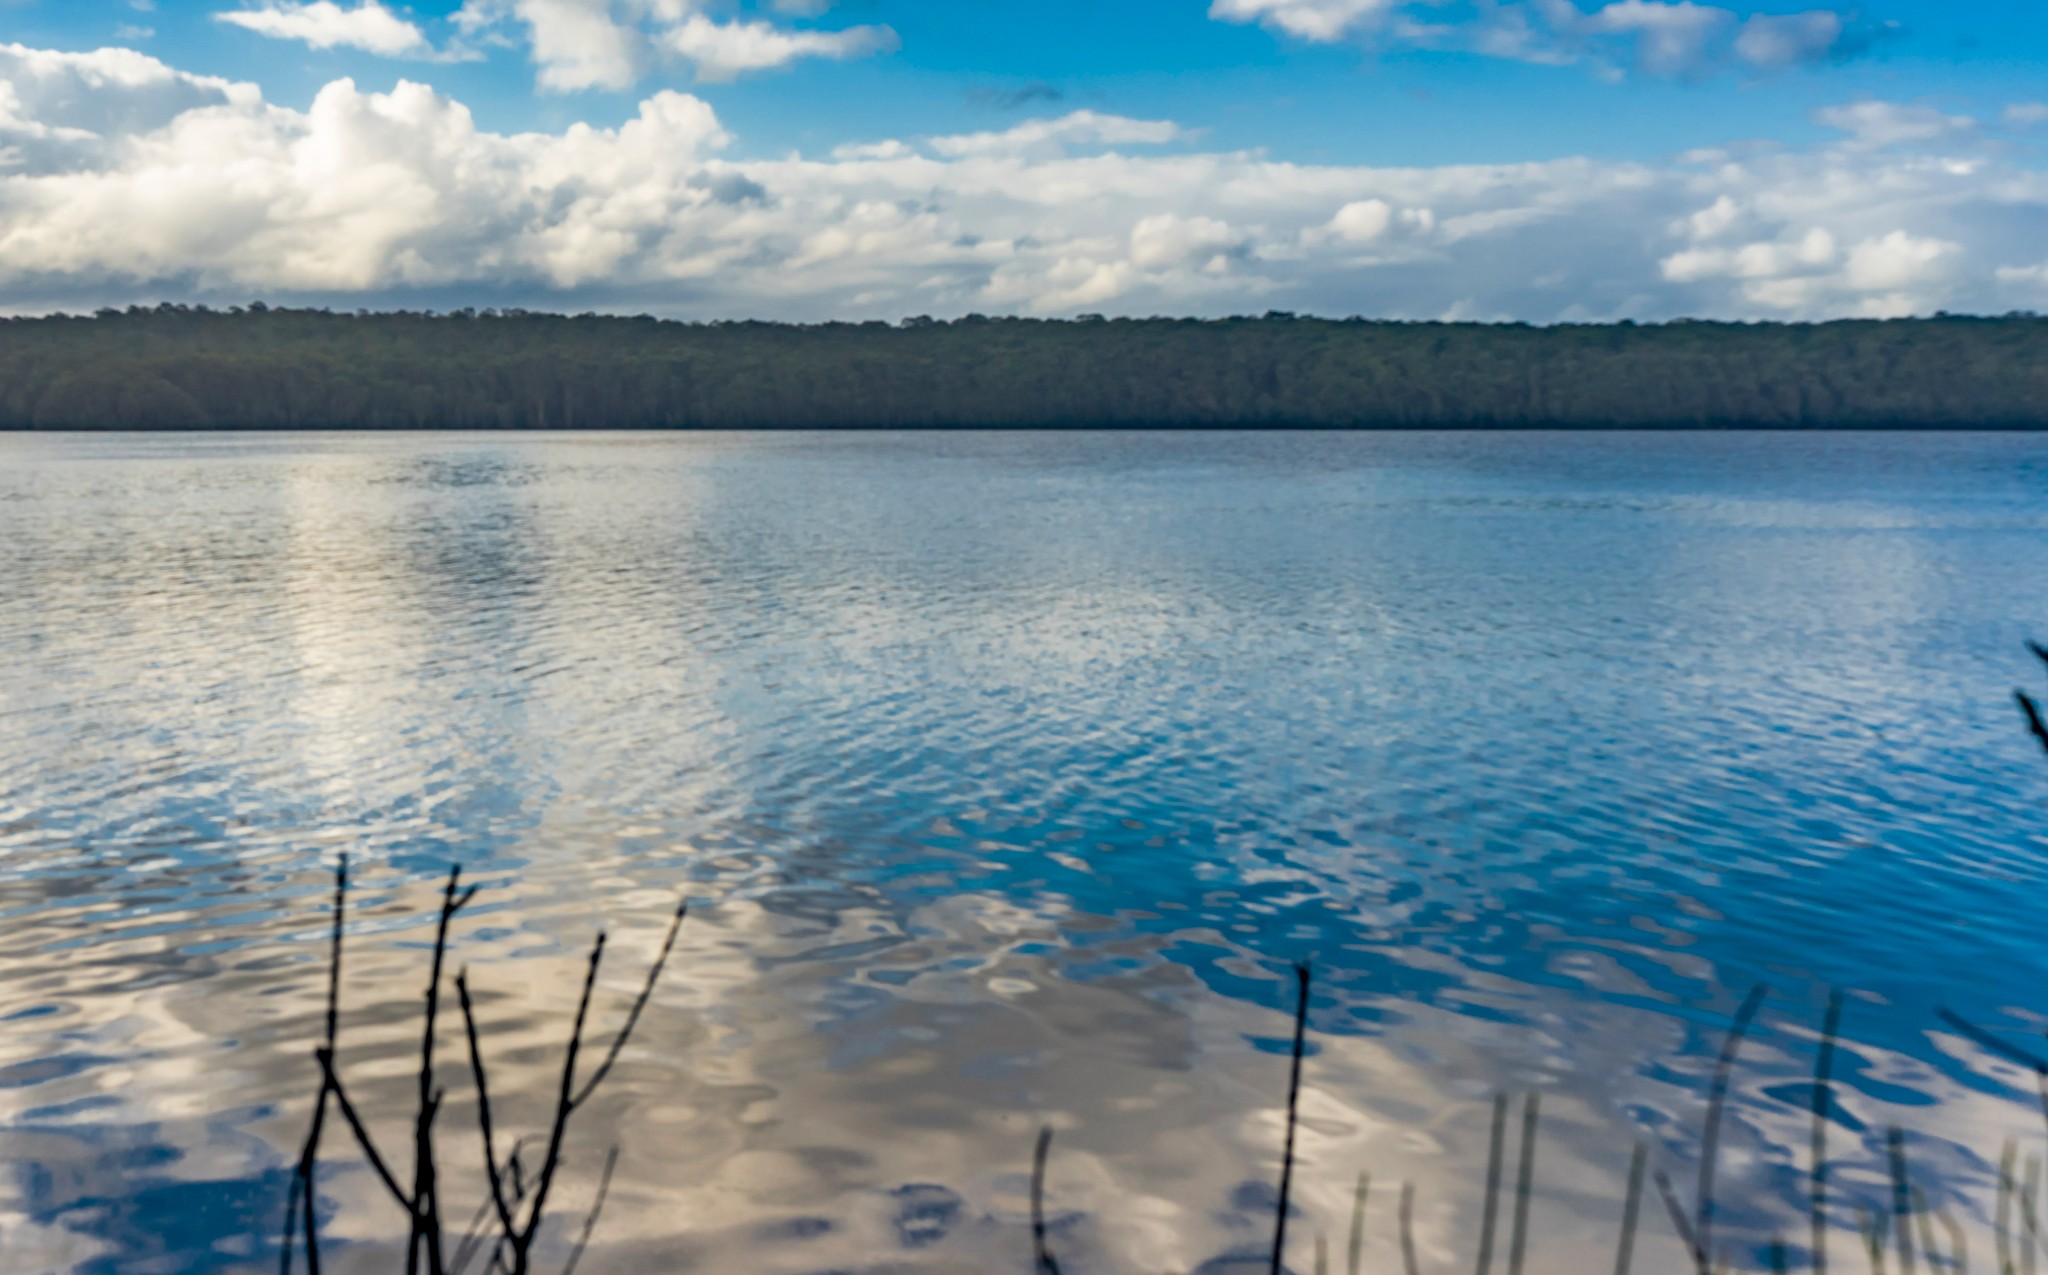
[(1631, 1210), (1681, 1223), (1710, 1136), (1358, 1198), (1408, 1229), (1495, 1148), (520, 1223), (1042, 1258), (1301, 984), (1525, 1182), (1823, 1101), (514, 1203), (604, 1187), (301, 1190), (2029, 707)]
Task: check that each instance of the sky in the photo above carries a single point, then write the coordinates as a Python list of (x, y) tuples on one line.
[(1533, 160)]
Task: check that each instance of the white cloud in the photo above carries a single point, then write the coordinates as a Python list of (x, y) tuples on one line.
[(1053, 136), (130, 31), (1168, 240), (722, 50), (1362, 221), (1656, 37), (577, 44), (613, 44), (1319, 20), (1670, 39), (1878, 123), (325, 25), (1769, 40), (1897, 260), (2024, 114), (379, 198)]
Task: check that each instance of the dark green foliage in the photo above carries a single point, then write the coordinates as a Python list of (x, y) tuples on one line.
[(176, 367)]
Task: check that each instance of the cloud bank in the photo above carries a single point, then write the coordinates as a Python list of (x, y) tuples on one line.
[(613, 44), (400, 198), (1661, 38), (323, 24)]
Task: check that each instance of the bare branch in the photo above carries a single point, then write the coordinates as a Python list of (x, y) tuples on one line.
[(544, 1180), (668, 944), (2012, 1052), (1043, 1263), (1681, 1223), (302, 1189), (483, 1107), (1301, 981), (1717, 1097), (604, 1186), (426, 1192), (355, 1124)]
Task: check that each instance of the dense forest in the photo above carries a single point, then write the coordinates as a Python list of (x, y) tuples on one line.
[(177, 367)]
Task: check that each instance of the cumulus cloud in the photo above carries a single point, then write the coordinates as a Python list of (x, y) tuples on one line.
[(723, 50), (576, 44), (1666, 38), (1320, 20), (368, 198), (323, 24), (612, 44), (1053, 136), (1769, 40), (1877, 123)]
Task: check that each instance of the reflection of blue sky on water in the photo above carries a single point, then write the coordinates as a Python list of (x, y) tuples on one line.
[(1521, 739)]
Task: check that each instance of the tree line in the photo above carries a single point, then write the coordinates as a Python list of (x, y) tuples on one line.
[(257, 367)]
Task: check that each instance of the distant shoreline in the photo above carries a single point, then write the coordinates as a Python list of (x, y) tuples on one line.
[(191, 369)]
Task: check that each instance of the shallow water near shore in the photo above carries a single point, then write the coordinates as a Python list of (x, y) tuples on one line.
[(1007, 775)]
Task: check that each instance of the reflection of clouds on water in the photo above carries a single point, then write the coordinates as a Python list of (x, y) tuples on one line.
[(1010, 772)]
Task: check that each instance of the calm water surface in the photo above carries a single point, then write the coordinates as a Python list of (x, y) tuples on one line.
[(1007, 775)]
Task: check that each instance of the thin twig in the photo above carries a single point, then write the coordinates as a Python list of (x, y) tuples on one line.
[(2037, 727), (1717, 1097), (1495, 1150), (1358, 1197), (1958, 1241), (1624, 1252), (483, 1107), (302, 1189), (472, 1238), (1823, 1103), (1408, 1228), (1681, 1223), (426, 1235), (363, 1140), (1525, 1181), (604, 1186), (1301, 980), (2002, 1229), (544, 1180), (604, 1068), (2011, 1051), (1924, 1217), (1895, 1155), (472, 1241), (1871, 1228), (2030, 1221), (1044, 1263)]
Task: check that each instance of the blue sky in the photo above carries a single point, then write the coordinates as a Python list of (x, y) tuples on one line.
[(1534, 159)]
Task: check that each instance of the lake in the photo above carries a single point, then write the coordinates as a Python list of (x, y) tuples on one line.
[(1007, 775)]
